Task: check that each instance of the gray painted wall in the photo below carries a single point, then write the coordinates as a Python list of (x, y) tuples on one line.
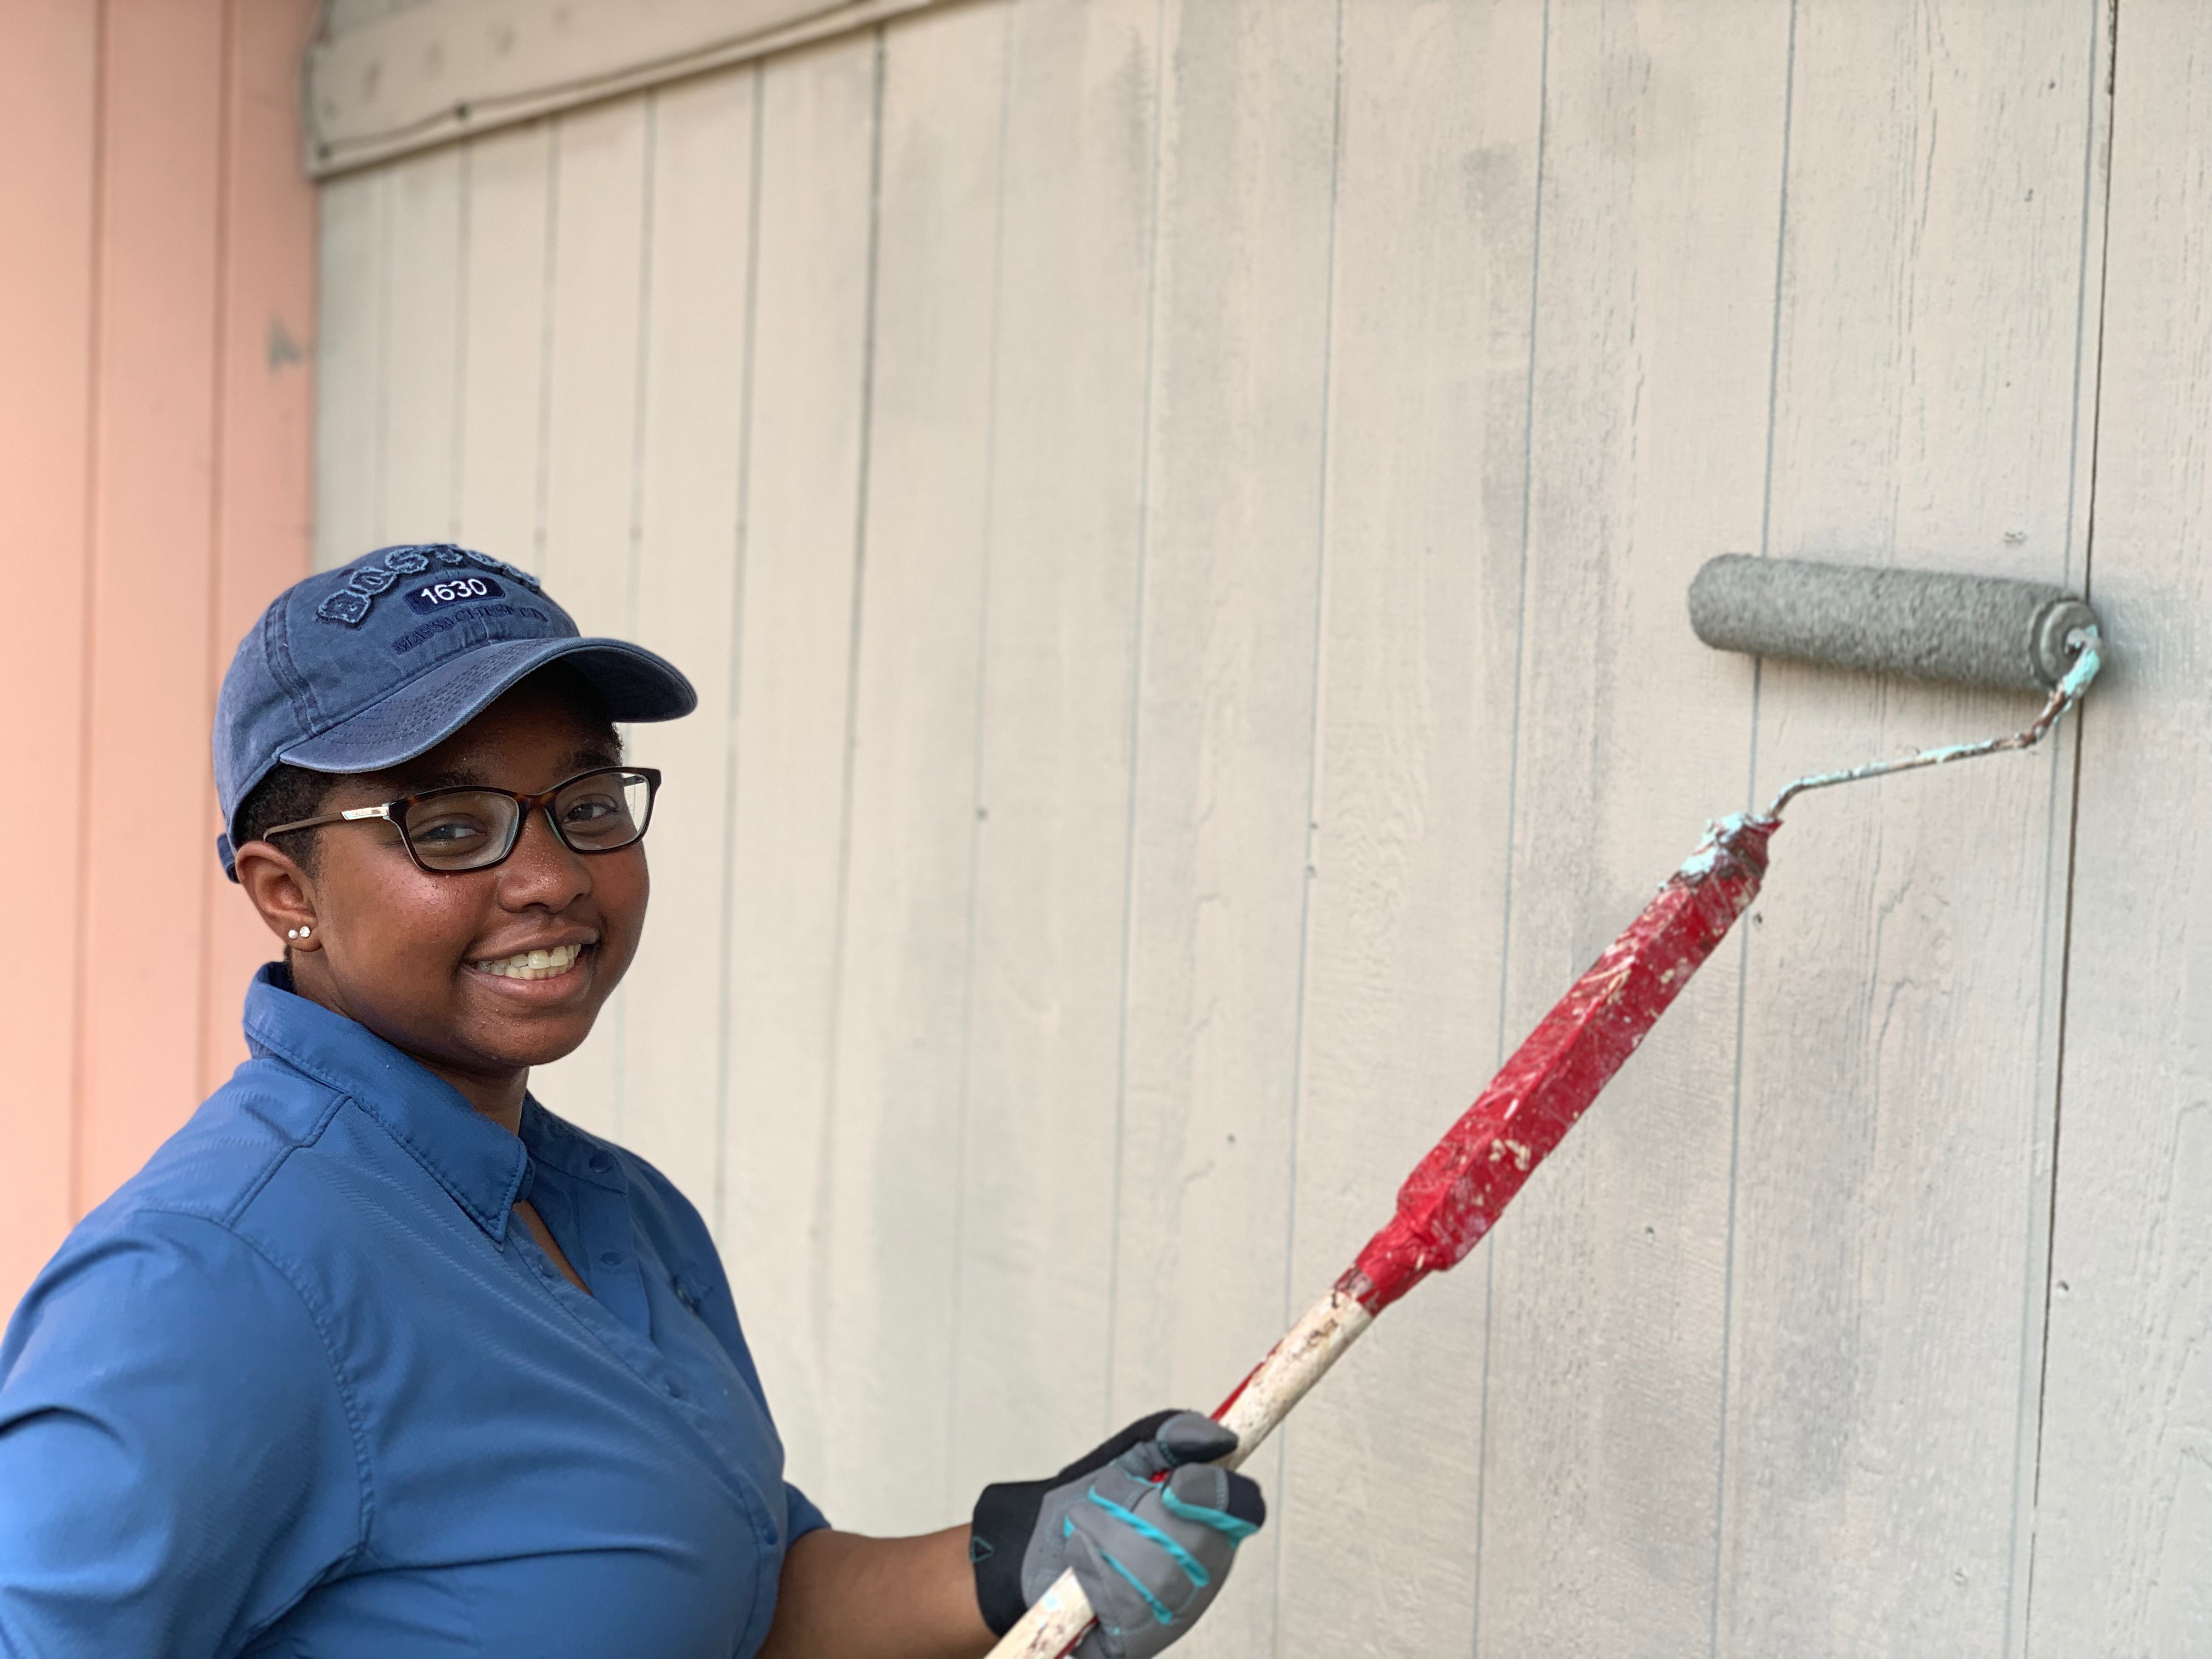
[(1179, 512)]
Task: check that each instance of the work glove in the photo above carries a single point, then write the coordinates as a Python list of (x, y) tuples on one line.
[(1150, 1553)]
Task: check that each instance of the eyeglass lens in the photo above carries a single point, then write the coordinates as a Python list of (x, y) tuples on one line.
[(468, 829)]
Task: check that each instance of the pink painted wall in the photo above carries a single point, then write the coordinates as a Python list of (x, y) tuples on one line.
[(157, 243)]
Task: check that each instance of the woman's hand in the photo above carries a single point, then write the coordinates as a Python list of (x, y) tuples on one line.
[(1147, 1522)]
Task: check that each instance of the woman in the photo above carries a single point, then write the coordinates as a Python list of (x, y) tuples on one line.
[(377, 1356)]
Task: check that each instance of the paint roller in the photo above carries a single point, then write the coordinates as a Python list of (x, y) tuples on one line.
[(1926, 625), (1972, 630)]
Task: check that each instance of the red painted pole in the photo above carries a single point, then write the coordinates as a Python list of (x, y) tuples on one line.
[(1454, 1194)]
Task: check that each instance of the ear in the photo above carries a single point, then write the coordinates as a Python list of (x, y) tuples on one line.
[(282, 891)]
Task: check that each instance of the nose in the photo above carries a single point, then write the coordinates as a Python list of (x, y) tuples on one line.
[(541, 871)]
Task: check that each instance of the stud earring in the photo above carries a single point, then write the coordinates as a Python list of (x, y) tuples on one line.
[(304, 931), (291, 932)]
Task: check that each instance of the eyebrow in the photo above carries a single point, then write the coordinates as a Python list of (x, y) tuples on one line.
[(456, 780), (586, 759)]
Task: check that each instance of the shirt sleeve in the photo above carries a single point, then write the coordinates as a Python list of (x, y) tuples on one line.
[(800, 1516), (177, 1463)]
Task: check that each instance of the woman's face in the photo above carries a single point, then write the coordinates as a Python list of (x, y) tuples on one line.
[(406, 952)]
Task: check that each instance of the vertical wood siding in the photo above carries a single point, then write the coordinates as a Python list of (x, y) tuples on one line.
[(156, 298), (2124, 1491), (1179, 514)]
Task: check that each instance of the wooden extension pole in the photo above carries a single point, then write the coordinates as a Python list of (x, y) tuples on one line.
[(1454, 1194)]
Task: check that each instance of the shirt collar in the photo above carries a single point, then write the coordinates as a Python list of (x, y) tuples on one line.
[(475, 1160), (559, 1144)]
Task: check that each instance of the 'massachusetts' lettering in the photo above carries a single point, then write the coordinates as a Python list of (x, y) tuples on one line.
[(437, 625)]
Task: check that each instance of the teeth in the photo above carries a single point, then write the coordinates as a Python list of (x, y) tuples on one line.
[(532, 964)]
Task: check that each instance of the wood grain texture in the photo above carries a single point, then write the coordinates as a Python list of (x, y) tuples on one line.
[(350, 337), (1223, 775), (2125, 1501), (804, 439), (602, 217), (1652, 308), (690, 448), (1894, 1094), (506, 265), (1059, 649), (1377, 1504), (417, 399), (898, 1051)]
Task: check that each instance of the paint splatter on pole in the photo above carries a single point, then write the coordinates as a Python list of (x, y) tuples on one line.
[(1454, 1194)]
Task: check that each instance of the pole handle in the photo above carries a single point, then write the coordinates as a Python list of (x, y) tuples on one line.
[(1056, 1620)]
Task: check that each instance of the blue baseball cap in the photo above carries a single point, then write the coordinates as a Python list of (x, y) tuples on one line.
[(361, 668)]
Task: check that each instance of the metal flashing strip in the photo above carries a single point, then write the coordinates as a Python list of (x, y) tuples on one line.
[(431, 74)]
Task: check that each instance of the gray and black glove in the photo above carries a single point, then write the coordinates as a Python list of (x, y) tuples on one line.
[(1150, 1554)]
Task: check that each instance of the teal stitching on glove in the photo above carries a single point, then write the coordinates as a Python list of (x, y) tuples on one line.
[(1160, 1614), (1238, 1531), (1148, 1523)]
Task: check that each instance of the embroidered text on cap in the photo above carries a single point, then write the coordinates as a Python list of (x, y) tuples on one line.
[(350, 605)]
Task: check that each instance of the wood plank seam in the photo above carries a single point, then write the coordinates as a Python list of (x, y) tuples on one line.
[(541, 529), (1135, 740), (1751, 797), (386, 255), (644, 370), (820, 1266), (1321, 568), (734, 758), (965, 1085), (464, 262), (2104, 21), (1513, 787)]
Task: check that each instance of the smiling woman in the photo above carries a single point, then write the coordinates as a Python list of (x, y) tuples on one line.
[(301, 1385), (438, 914)]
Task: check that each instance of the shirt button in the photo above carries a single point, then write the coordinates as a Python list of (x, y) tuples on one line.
[(675, 1389), (611, 1258), (601, 1162)]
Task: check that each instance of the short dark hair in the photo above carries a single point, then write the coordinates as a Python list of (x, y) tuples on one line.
[(288, 795)]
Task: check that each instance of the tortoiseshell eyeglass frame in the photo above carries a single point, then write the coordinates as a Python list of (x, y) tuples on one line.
[(395, 813)]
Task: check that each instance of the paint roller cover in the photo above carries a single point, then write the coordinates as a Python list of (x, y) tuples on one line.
[(1930, 625)]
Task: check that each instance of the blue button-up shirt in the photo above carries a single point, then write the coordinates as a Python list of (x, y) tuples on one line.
[(304, 1387)]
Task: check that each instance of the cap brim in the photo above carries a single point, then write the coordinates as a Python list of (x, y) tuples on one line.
[(635, 684)]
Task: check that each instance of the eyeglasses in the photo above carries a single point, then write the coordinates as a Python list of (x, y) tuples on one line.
[(447, 831)]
